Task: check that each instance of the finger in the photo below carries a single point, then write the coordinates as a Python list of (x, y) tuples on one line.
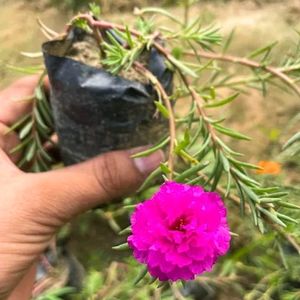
[(7, 168), (11, 106), (70, 191), (25, 287), (8, 141)]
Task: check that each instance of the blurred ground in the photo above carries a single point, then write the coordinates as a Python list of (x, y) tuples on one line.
[(256, 25)]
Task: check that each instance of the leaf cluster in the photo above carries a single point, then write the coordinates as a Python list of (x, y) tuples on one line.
[(35, 130)]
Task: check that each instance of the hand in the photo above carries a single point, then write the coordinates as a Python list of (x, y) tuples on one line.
[(34, 206)]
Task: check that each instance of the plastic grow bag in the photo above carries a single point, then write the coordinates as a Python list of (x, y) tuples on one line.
[(95, 111)]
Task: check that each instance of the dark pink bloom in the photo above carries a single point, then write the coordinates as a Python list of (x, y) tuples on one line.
[(180, 232)]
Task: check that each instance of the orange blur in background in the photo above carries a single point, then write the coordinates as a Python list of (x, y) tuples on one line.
[(269, 167)]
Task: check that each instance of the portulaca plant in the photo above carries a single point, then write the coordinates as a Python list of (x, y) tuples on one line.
[(178, 221)]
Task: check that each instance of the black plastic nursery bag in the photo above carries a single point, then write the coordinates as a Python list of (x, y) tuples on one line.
[(95, 111)]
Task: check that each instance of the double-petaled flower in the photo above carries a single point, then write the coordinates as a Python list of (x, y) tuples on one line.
[(180, 232)]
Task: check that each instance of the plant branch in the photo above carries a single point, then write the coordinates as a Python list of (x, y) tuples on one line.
[(172, 122), (288, 237), (277, 72), (101, 24), (200, 108), (281, 231)]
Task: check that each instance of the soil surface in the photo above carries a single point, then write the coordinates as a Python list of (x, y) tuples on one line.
[(88, 51)]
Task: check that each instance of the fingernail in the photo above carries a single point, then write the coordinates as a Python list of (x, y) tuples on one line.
[(149, 163)]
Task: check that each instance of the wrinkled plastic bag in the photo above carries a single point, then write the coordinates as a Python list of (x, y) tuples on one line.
[(95, 111)]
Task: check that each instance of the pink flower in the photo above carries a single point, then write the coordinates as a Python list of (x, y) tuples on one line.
[(180, 232)]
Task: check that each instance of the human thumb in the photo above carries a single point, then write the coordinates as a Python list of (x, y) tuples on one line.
[(75, 189)]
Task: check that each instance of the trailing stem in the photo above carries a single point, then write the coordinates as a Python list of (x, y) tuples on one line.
[(172, 124), (277, 72)]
